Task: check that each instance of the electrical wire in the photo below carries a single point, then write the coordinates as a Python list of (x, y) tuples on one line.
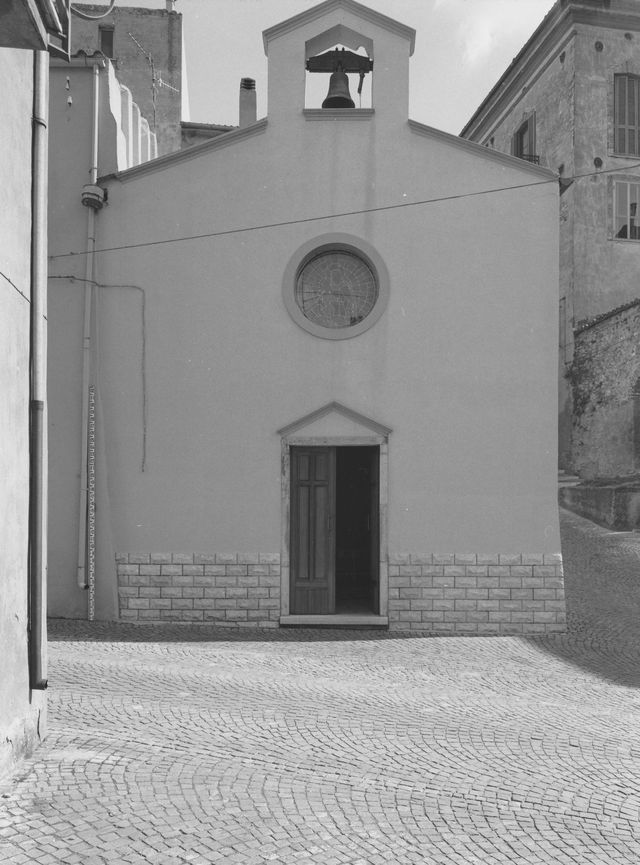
[(143, 362), (381, 208), (94, 17), (13, 285)]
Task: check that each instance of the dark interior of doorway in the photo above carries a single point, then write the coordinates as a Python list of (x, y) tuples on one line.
[(354, 522)]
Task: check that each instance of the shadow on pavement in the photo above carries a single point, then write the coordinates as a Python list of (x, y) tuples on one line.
[(74, 630), (602, 588)]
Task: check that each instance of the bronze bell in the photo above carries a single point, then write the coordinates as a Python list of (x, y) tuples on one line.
[(338, 95)]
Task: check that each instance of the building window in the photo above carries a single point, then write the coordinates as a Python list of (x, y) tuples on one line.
[(626, 210), (106, 41), (626, 114), (523, 142), (335, 288)]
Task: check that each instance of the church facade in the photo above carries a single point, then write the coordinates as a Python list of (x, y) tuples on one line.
[(322, 367)]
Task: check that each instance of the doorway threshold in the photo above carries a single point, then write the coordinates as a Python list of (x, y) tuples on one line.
[(337, 620)]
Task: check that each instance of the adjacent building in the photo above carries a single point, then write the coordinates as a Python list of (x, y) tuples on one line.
[(146, 50), (311, 366), (145, 47), (95, 128), (570, 101), (29, 30)]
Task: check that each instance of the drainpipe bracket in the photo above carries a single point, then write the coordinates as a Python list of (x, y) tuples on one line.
[(94, 196)]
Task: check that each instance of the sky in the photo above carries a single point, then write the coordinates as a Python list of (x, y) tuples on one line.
[(462, 48)]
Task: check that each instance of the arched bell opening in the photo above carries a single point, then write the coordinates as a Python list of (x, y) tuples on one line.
[(339, 78)]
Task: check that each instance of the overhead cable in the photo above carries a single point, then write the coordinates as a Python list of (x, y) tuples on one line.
[(94, 17), (381, 208)]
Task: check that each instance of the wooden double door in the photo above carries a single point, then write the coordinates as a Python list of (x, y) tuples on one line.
[(334, 530)]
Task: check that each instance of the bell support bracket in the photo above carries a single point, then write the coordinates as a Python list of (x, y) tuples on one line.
[(348, 60)]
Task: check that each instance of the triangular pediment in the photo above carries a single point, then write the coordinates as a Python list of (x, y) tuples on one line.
[(335, 420), (335, 6), (338, 35)]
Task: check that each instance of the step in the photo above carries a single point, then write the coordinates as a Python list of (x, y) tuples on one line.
[(348, 620)]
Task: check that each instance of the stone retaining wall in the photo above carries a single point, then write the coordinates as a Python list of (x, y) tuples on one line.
[(615, 505), (605, 379)]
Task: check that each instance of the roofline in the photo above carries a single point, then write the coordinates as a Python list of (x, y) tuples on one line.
[(170, 159), (81, 59), (560, 18), (480, 150), (512, 67), (190, 124), (328, 6), (236, 135), (594, 321), (129, 8)]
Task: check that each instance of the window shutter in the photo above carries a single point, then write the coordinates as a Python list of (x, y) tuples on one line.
[(620, 100), (531, 135), (626, 114), (636, 116), (631, 117)]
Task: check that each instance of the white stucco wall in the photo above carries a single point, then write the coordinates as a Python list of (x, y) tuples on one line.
[(462, 365), (457, 366), (71, 117), (19, 714), (69, 166)]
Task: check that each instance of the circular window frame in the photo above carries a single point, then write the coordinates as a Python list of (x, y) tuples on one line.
[(335, 242)]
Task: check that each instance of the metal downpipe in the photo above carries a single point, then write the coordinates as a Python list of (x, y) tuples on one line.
[(37, 404), (86, 524)]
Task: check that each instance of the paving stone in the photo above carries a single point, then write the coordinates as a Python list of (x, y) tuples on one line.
[(180, 743)]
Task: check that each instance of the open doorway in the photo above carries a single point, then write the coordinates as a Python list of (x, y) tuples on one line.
[(334, 531), (356, 532)]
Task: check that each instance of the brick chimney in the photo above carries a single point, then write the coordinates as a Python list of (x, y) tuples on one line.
[(247, 102)]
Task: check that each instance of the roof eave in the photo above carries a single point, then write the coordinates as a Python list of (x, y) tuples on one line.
[(551, 21), (480, 150), (560, 18), (226, 139)]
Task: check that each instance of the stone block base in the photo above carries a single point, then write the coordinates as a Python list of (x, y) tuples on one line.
[(225, 589), (470, 593), (460, 593)]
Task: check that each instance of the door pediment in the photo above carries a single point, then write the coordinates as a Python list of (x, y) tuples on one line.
[(337, 424)]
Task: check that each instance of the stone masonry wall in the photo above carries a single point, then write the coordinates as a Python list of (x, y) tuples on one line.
[(157, 34), (468, 593), (441, 594), (604, 378), (230, 590)]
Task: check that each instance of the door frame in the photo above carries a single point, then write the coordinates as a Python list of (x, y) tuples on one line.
[(373, 434)]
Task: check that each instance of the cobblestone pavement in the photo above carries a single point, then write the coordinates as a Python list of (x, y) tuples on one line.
[(188, 745)]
